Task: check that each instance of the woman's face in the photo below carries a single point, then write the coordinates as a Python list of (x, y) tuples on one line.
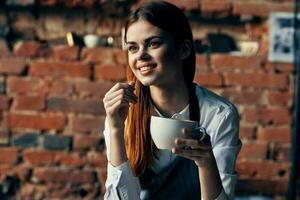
[(153, 55)]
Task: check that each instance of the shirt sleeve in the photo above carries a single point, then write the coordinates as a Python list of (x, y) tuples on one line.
[(120, 183), (226, 146)]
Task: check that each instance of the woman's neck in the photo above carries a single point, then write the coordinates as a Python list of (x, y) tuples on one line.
[(170, 100)]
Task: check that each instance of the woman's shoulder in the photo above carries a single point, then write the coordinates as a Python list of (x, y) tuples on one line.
[(212, 102)]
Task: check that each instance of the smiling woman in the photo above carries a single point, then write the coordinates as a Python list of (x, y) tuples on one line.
[(161, 68)]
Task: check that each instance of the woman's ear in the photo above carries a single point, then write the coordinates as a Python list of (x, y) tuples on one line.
[(185, 49)]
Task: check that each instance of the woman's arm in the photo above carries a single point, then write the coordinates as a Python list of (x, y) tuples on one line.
[(120, 183), (216, 166), (202, 154), (116, 103)]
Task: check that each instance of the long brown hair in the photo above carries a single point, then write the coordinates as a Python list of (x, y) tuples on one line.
[(139, 145)]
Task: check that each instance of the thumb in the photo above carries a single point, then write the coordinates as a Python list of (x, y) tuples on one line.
[(132, 83)]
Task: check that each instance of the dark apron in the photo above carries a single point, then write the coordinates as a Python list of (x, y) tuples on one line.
[(179, 181)]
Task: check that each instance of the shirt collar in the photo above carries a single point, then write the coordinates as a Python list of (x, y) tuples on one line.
[(184, 114)]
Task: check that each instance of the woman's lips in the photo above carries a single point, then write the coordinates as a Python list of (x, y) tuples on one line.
[(147, 69)]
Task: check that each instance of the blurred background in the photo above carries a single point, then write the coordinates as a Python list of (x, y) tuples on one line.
[(58, 59)]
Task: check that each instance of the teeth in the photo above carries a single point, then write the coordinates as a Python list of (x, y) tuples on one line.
[(146, 68)]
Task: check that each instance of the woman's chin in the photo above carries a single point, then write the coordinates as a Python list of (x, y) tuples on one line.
[(147, 82)]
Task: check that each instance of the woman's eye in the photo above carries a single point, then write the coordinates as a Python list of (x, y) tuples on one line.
[(132, 49), (154, 44)]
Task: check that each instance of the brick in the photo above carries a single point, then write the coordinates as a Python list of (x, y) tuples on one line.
[(260, 8), (27, 190), (4, 137), (57, 142), (280, 67), (244, 97), (56, 26), (27, 49), (4, 170), (39, 157), (120, 56), (98, 55), (21, 172), (25, 23), (280, 98), (267, 116), (73, 159), (87, 124), (35, 121), (247, 132), (75, 105), (4, 102), (93, 89), (261, 186), (282, 152), (215, 5), (26, 85), (83, 142), (60, 69), (209, 79), (253, 150), (33, 191), (278, 81), (263, 169), (53, 27), (25, 102), (97, 159), (275, 134), (25, 140), (263, 46), (63, 175), (12, 66), (186, 4), (9, 155), (202, 62), (4, 48), (110, 72), (62, 52), (61, 87), (256, 30), (107, 27), (230, 62)]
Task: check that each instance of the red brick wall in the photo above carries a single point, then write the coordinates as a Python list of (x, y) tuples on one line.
[(52, 115)]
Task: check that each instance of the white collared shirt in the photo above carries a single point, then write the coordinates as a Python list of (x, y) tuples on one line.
[(221, 121)]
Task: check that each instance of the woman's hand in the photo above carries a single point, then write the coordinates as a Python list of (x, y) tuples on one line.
[(116, 103), (191, 147)]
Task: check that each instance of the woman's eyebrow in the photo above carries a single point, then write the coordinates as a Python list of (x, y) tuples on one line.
[(146, 40)]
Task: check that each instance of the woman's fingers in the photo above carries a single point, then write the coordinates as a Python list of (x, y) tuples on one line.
[(120, 91), (120, 94), (119, 86), (114, 108), (192, 143), (186, 142), (187, 152), (198, 134)]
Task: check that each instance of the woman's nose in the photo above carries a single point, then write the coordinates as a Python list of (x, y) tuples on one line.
[(143, 55)]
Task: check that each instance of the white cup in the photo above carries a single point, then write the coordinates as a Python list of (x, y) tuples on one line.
[(91, 40), (164, 131)]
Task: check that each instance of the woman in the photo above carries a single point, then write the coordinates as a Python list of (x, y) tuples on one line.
[(161, 68)]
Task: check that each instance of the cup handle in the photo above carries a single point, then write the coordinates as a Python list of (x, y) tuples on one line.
[(203, 133)]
